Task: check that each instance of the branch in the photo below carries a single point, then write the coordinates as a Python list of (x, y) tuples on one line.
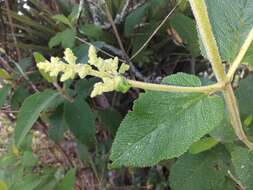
[(133, 68), (171, 88), (240, 55), (201, 15), (155, 31)]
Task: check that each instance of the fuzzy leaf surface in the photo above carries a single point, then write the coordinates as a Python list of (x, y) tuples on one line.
[(164, 125), (231, 23)]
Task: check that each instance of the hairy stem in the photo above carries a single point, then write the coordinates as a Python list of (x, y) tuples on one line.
[(240, 55), (201, 15), (170, 88), (235, 115)]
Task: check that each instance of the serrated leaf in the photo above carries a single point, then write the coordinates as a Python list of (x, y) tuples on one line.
[(4, 74), (231, 23), (164, 125), (242, 160), (203, 144), (66, 38), (186, 28), (204, 171), (4, 93), (30, 111), (80, 120)]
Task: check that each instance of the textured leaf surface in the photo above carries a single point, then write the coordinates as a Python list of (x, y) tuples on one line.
[(244, 95), (204, 171), (242, 160), (80, 120), (164, 125), (231, 22), (30, 111)]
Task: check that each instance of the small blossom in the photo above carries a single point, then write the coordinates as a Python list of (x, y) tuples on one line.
[(123, 68), (69, 56), (106, 69)]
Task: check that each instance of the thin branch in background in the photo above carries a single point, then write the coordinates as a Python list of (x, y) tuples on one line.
[(21, 72), (63, 92), (119, 17), (155, 31), (236, 180), (80, 7), (104, 52), (12, 29), (133, 68)]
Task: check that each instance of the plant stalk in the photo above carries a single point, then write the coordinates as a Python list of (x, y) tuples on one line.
[(170, 88), (201, 15)]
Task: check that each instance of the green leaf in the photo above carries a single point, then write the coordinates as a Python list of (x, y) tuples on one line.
[(57, 129), (164, 125), (68, 182), (4, 74), (80, 120), (242, 160), (4, 93), (204, 171), (111, 119), (134, 18), (186, 28), (202, 145), (30, 111), (231, 23), (29, 159), (248, 58), (66, 38), (40, 58), (244, 94), (18, 97), (96, 33), (63, 19)]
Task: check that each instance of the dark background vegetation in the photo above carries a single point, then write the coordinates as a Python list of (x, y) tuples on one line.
[(117, 28)]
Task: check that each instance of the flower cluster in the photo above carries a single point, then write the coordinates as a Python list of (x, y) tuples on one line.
[(106, 69)]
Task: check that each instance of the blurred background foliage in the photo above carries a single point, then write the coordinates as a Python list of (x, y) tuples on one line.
[(69, 144)]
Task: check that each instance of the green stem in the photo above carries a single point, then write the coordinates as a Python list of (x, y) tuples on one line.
[(170, 88), (201, 15), (240, 55)]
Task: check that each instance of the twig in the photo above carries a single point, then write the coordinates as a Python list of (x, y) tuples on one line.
[(12, 29), (240, 55), (22, 73), (170, 88), (104, 52), (63, 92), (155, 31), (201, 15), (115, 30), (119, 17), (236, 180)]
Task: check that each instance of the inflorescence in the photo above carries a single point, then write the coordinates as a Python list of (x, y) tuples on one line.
[(106, 69)]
